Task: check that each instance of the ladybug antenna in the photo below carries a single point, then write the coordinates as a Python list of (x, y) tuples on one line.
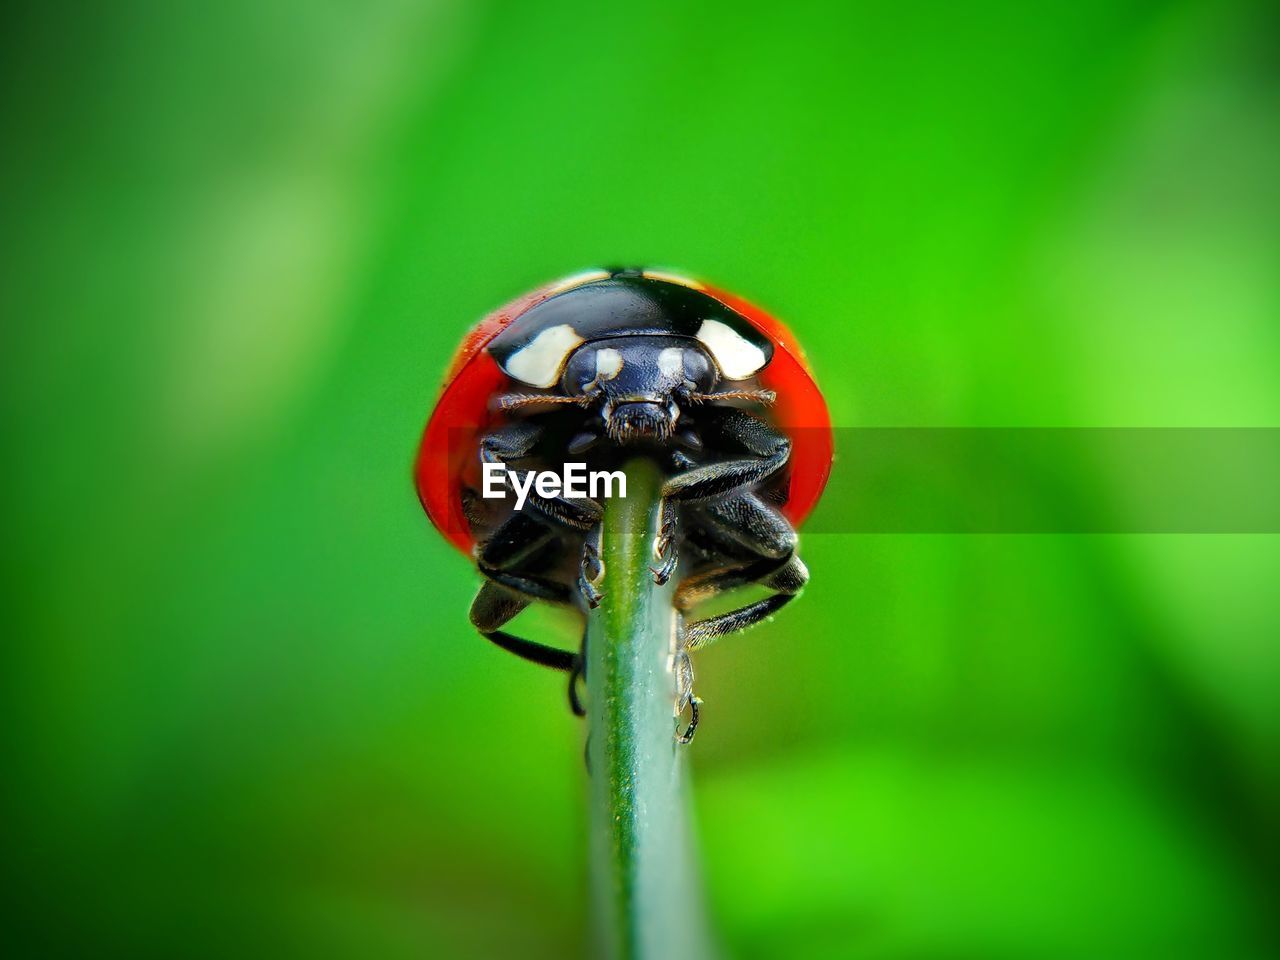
[(763, 397), (516, 401)]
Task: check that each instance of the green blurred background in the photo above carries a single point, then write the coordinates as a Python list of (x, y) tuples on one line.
[(245, 713)]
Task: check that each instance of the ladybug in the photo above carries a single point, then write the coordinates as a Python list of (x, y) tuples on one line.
[(602, 367)]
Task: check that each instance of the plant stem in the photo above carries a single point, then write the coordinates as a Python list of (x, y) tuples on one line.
[(645, 882)]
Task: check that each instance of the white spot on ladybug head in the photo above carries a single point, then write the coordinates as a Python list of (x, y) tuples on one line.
[(539, 362), (608, 363), (737, 357), (671, 362)]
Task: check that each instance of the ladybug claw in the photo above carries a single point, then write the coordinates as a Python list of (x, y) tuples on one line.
[(687, 735), (664, 549), (665, 541), (589, 592), (685, 697), (592, 565), (663, 573), (590, 573)]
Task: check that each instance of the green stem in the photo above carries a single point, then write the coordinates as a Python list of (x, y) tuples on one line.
[(644, 877)]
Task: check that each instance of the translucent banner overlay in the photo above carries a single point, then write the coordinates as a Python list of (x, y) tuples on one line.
[(1034, 480)]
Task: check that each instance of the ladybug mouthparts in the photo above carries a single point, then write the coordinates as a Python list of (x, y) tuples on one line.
[(639, 421)]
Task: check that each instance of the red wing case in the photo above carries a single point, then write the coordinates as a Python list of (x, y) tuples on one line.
[(446, 458), (800, 410)]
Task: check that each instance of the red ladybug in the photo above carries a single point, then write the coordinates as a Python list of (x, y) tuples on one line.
[(602, 367)]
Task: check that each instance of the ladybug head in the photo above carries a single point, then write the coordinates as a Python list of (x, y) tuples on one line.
[(639, 382)]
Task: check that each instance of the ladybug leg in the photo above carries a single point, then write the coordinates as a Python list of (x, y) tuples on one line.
[(519, 537), (535, 587), (513, 543), (581, 513), (770, 450), (747, 521), (516, 441), (508, 590), (685, 697), (493, 606), (788, 579), (578, 675), (750, 434), (515, 539), (784, 575), (582, 442), (664, 547), (702, 633), (510, 442), (787, 576), (496, 604), (509, 548), (591, 568)]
